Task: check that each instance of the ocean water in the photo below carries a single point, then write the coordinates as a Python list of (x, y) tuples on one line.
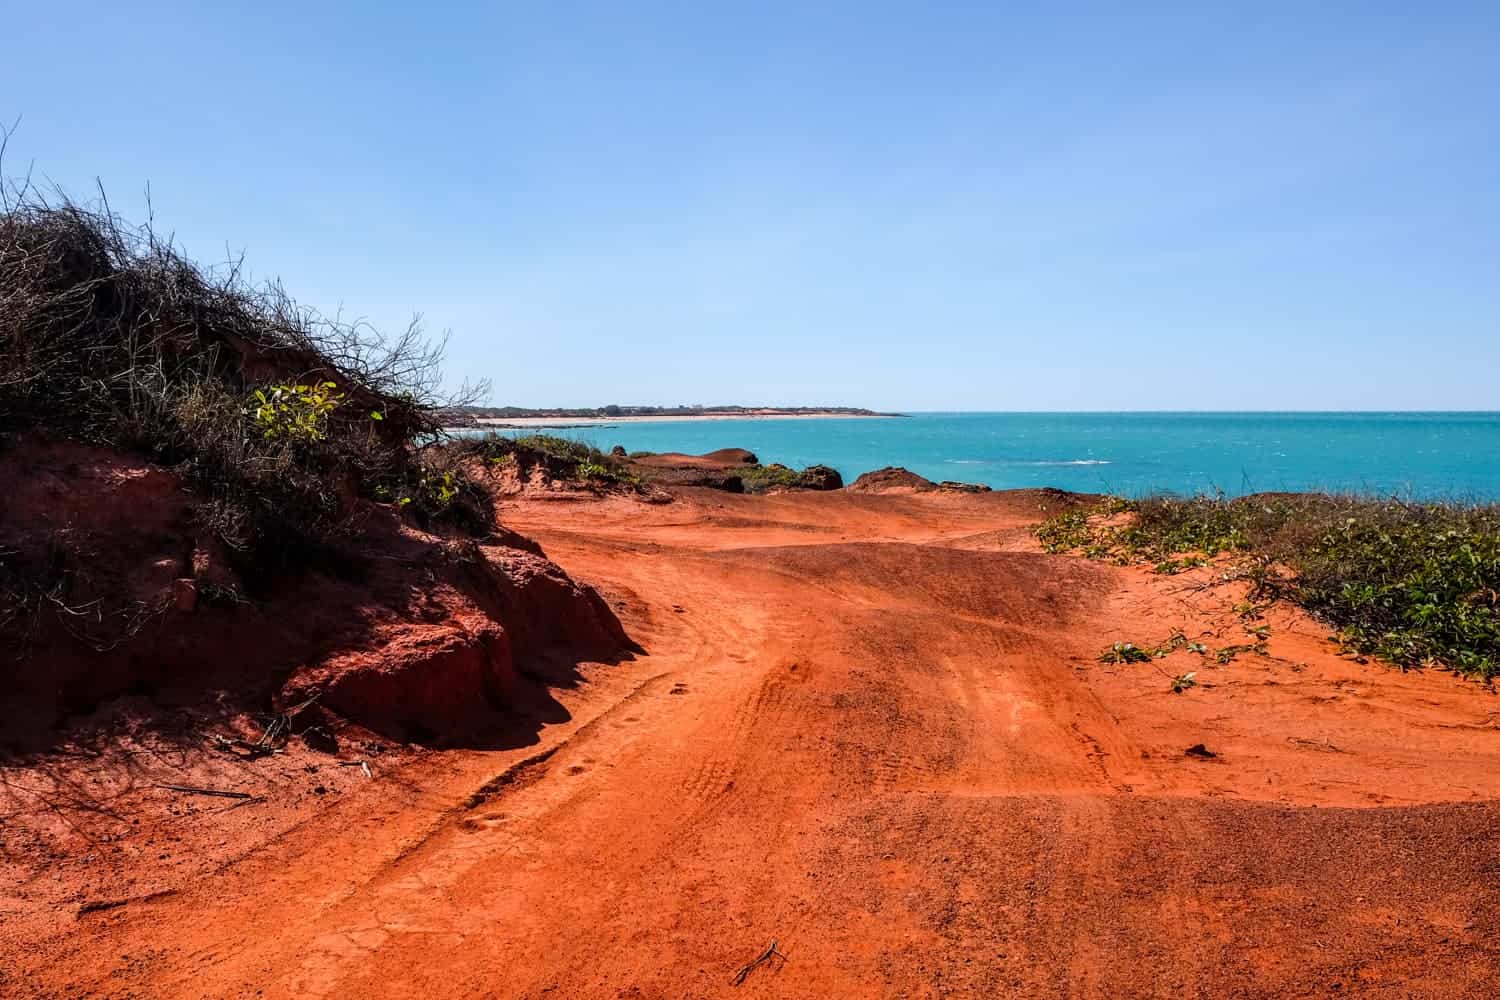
[(1412, 455)]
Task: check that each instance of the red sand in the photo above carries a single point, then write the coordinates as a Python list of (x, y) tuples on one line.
[(869, 727)]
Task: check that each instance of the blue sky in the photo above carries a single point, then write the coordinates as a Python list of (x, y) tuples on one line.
[(919, 206)]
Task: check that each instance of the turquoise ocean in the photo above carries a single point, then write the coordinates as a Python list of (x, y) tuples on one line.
[(1411, 455)]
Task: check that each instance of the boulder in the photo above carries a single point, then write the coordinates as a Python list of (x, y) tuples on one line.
[(820, 477), (891, 479)]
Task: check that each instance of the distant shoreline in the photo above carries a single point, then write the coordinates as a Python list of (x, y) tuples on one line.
[(565, 422)]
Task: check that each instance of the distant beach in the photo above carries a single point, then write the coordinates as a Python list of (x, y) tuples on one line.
[(562, 423)]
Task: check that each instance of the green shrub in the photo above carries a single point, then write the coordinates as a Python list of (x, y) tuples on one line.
[(1412, 584), (558, 457), (760, 478)]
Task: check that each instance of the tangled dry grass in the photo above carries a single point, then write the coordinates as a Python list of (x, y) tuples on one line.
[(277, 419)]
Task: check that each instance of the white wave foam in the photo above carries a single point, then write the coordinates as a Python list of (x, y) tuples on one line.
[(981, 461)]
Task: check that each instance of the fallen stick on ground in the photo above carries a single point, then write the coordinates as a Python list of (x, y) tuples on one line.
[(243, 749), (765, 956), (1323, 745), (362, 765), (195, 790)]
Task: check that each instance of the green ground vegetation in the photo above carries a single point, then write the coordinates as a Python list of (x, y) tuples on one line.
[(1415, 584), (560, 458)]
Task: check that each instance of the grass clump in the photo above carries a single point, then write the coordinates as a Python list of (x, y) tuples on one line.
[(1413, 584)]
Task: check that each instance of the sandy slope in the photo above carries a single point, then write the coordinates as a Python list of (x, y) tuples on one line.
[(872, 728)]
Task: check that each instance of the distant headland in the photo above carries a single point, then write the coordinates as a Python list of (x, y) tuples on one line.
[(516, 416)]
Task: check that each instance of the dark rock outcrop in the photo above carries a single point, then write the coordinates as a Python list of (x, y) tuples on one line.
[(820, 477)]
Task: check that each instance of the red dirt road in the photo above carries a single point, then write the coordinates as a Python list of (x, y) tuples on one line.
[(872, 728)]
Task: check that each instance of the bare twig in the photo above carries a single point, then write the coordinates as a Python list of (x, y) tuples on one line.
[(195, 790), (765, 956), (243, 749), (1323, 745)]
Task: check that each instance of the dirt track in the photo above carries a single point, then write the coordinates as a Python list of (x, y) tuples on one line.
[(874, 729)]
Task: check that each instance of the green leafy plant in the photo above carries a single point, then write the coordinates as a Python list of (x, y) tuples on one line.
[(1227, 654), (1182, 682), (295, 412), (441, 489), (1124, 652), (1177, 640), (1065, 532)]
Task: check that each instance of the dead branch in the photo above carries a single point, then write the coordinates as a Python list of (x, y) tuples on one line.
[(765, 956), (196, 790)]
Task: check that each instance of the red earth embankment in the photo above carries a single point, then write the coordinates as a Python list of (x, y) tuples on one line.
[(875, 729), (127, 591)]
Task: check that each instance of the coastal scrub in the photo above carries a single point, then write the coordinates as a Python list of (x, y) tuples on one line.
[(275, 419), (1415, 584)]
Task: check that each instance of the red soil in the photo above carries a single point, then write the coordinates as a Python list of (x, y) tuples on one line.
[(872, 728)]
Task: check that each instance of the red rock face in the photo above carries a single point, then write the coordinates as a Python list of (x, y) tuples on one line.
[(411, 634), (420, 681), (892, 479)]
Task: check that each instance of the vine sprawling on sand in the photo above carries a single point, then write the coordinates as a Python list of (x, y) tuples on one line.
[(1417, 584)]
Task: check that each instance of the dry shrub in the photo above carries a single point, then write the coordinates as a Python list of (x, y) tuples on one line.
[(111, 336)]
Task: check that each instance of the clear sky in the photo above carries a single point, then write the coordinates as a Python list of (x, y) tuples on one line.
[(976, 205)]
